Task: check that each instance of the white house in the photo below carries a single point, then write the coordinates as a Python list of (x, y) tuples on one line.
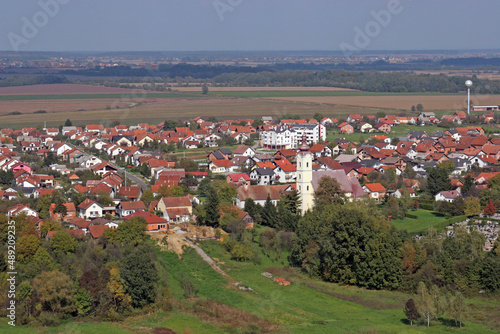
[(448, 196), (90, 209)]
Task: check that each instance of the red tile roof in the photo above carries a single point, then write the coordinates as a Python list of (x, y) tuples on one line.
[(96, 231)]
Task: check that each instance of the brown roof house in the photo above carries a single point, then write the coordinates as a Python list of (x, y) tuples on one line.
[(176, 209), (127, 208), (90, 209)]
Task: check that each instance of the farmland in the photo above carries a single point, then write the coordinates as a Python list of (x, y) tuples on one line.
[(85, 104), (399, 102)]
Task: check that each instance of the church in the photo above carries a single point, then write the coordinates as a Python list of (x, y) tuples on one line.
[(308, 179)]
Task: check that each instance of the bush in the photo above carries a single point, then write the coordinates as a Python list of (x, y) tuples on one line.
[(411, 216), (48, 319), (190, 289)]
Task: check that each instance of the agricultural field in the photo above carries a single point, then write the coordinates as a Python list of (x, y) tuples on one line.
[(400, 102), (52, 89), (84, 104)]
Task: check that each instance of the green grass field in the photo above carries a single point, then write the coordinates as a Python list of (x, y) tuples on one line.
[(425, 220)]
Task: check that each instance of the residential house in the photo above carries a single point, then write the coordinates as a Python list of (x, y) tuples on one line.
[(90, 209), (127, 208), (448, 196)]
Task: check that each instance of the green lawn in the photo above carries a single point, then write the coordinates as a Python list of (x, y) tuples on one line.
[(425, 220)]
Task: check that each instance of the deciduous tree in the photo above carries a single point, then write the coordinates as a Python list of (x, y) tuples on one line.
[(411, 311)]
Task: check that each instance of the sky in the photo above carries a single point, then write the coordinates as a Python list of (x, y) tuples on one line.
[(202, 25)]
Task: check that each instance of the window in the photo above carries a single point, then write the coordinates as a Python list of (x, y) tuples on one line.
[(307, 188), (307, 164)]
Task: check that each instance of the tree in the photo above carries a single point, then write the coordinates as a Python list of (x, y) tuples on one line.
[(413, 108), (381, 114), (318, 116), (139, 273), (68, 123), (494, 182), (437, 181), (241, 252), (415, 204), (490, 209), (132, 231), (420, 107), (145, 171), (83, 302), (63, 242), (116, 286), (212, 214), (348, 244), (204, 89), (425, 303), (27, 246), (411, 311), (61, 210), (472, 206), (457, 308), (468, 184), (328, 192), (54, 289), (269, 213), (147, 197)]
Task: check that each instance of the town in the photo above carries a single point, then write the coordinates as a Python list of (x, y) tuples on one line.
[(94, 177)]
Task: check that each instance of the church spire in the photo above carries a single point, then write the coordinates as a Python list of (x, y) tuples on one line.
[(304, 147)]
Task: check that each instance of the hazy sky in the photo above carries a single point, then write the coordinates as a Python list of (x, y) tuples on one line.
[(178, 25)]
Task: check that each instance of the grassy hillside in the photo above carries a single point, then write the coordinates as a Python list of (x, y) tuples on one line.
[(306, 306)]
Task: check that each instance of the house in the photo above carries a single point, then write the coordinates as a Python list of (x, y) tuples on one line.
[(353, 118), (70, 212), (262, 176), (321, 150), (345, 128), (448, 196), (127, 208), (237, 180), (96, 231), (259, 194), (21, 209), (154, 223), (400, 193), (383, 127), (243, 150), (90, 209), (130, 193), (375, 191), (221, 166), (183, 206), (365, 127)]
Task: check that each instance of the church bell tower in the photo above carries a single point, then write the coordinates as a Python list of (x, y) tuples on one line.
[(304, 176)]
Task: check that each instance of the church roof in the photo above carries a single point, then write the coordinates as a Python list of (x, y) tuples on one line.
[(348, 185)]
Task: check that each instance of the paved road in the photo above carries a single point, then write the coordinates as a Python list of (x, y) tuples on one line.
[(134, 178)]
